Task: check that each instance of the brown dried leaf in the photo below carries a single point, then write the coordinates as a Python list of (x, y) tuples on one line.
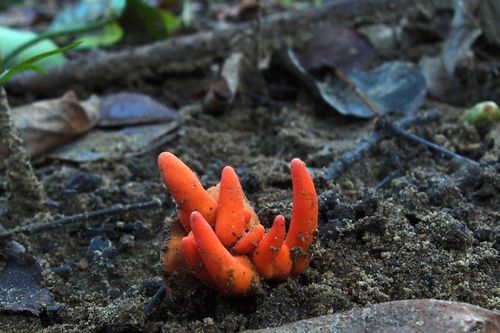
[(236, 75), (336, 47), (47, 124)]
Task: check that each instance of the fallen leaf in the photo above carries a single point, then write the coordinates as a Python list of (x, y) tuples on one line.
[(108, 144), (222, 92), (85, 13), (128, 108), (19, 282), (409, 316), (464, 31), (439, 70), (489, 12), (440, 84), (336, 47), (394, 86), (383, 37), (47, 124)]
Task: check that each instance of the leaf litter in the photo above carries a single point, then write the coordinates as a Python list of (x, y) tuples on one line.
[(422, 235)]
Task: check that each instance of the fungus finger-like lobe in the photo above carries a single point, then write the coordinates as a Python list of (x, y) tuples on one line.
[(194, 261), (247, 243), (269, 247), (282, 264), (230, 216), (250, 217), (186, 189), (304, 220), (233, 275)]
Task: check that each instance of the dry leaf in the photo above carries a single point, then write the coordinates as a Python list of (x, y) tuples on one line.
[(19, 282), (236, 75), (336, 47), (394, 86), (127, 108), (110, 144), (47, 124)]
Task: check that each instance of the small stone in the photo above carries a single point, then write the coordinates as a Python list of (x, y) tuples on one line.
[(114, 293), (127, 241), (83, 264), (209, 321), (483, 234)]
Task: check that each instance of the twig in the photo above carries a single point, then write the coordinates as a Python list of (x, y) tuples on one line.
[(186, 54), (153, 303), (385, 124), (383, 183), (342, 77), (37, 227), (337, 167)]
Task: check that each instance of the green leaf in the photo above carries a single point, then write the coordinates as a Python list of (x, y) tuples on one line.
[(83, 13), (36, 68), (11, 39), (111, 34), (29, 64), (170, 22), (157, 23)]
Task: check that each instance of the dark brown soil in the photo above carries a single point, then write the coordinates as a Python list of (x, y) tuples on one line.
[(431, 231)]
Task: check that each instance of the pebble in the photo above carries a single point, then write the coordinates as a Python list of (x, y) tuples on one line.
[(83, 264)]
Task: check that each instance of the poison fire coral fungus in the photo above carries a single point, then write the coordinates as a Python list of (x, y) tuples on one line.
[(219, 237)]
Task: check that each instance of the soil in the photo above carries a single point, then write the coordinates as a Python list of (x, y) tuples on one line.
[(430, 231)]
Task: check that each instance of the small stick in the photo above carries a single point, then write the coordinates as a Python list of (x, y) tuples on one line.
[(339, 166), (38, 227), (154, 301), (385, 124), (342, 77), (383, 183)]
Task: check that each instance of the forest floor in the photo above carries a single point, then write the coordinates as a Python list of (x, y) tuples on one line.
[(430, 231)]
